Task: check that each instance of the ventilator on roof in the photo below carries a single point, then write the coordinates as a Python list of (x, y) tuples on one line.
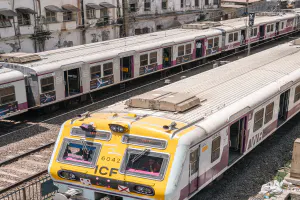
[(162, 100), (19, 57)]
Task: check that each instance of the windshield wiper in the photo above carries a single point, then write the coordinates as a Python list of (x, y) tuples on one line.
[(136, 157)]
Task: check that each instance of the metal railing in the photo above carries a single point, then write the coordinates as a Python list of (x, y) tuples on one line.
[(37, 189)]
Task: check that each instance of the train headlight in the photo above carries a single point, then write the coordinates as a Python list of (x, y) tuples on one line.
[(67, 175), (119, 128), (141, 189)]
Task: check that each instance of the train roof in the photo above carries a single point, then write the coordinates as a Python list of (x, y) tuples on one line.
[(9, 75), (229, 89), (95, 52)]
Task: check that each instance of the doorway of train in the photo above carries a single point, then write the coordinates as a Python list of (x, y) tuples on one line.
[(72, 82), (167, 57), (261, 32), (126, 68), (237, 139), (283, 107), (199, 48)]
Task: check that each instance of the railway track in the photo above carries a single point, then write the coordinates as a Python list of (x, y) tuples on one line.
[(24, 153), (25, 166)]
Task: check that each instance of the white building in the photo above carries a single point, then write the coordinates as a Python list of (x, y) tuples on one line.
[(38, 25)]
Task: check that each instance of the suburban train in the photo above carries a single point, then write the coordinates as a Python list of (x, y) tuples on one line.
[(72, 73), (170, 143)]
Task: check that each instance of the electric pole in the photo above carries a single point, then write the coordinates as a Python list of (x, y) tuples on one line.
[(125, 18)]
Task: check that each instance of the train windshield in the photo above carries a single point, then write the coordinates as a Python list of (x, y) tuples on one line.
[(145, 164), (79, 152)]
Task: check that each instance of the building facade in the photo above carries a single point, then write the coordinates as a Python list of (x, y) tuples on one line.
[(40, 25)]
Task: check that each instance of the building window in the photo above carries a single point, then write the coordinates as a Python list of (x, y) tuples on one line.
[(4, 22), (206, 2), (181, 3), (95, 72), (138, 31), (147, 5), (196, 3), (90, 13), (181, 50), (50, 16), (146, 30), (254, 32), (215, 148), (297, 93), (23, 19), (47, 84), (153, 57), (108, 69), (188, 49), (132, 7), (144, 60), (216, 2), (7, 95), (269, 112), (258, 120), (194, 161), (164, 4), (159, 27), (67, 16)]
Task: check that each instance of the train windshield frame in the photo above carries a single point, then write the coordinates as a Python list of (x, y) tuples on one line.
[(79, 153), (145, 164)]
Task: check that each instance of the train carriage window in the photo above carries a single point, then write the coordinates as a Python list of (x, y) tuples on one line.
[(108, 69), (144, 60), (181, 50), (210, 43), (144, 163), (216, 42), (95, 72), (272, 27), (230, 37), (236, 36), (268, 28), (7, 95), (282, 25), (269, 112), (215, 149), (194, 161), (80, 153), (254, 32), (297, 93), (153, 57), (258, 119), (188, 49), (47, 84)]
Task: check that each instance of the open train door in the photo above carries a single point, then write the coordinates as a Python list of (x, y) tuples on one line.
[(72, 78), (126, 65), (283, 107), (167, 54), (194, 169)]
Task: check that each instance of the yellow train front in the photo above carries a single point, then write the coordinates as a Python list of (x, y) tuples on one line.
[(117, 156)]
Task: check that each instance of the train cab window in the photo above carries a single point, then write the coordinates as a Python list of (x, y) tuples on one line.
[(181, 50), (188, 49), (269, 112), (258, 119), (215, 149), (95, 72), (153, 57), (254, 32), (108, 69), (194, 161), (47, 84), (77, 152), (7, 95), (144, 163), (297, 93), (144, 60)]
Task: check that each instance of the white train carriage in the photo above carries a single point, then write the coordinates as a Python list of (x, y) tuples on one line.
[(63, 74), (13, 99), (192, 130)]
